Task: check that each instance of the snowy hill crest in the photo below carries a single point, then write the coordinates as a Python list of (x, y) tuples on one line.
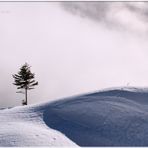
[(113, 117)]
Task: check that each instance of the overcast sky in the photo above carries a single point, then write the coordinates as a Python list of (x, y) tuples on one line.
[(73, 47)]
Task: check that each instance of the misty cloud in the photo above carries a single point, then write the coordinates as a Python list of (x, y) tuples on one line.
[(71, 54), (130, 16), (94, 10)]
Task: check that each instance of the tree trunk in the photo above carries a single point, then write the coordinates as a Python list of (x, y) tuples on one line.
[(26, 95)]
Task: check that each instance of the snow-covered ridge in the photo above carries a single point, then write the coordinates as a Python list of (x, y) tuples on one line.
[(111, 117)]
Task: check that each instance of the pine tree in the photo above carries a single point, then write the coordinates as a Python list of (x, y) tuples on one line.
[(24, 79)]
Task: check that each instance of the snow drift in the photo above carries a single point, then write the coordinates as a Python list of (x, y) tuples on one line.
[(113, 117)]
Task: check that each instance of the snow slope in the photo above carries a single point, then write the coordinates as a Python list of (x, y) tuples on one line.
[(112, 117), (23, 126)]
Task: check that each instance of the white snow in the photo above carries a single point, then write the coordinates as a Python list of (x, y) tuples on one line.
[(112, 117), (22, 126)]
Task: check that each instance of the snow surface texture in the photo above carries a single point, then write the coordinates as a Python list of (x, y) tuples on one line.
[(24, 126), (113, 117)]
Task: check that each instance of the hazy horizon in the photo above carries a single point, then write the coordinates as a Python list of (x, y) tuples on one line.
[(72, 47)]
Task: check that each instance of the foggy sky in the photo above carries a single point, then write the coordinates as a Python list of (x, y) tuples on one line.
[(73, 47)]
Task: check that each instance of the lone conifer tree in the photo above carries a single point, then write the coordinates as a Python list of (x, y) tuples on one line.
[(24, 79)]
